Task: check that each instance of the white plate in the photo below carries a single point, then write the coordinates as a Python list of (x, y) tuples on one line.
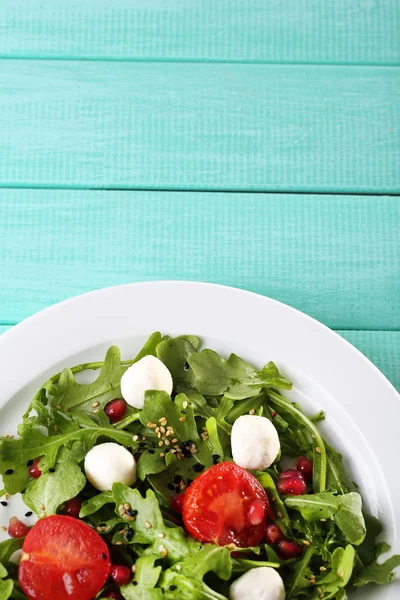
[(363, 409)]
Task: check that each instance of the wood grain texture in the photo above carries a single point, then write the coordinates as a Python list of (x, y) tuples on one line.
[(211, 127), (336, 258), (341, 31), (381, 347)]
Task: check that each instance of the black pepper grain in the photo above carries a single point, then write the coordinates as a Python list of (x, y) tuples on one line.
[(151, 451), (129, 535), (104, 556), (29, 463), (9, 471), (215, 458), (52, 470), (198, 468), (4, 503), (172, 588), (29, 513), (186, 366)]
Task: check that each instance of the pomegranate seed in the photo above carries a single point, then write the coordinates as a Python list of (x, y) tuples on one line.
[(291, 483), (114, 595), (115, 410), (256, 512), (288, 549), (73, 508), (120, 574), (34, 470), (273, 534), (177, 502), (305, 467), (17, 529)]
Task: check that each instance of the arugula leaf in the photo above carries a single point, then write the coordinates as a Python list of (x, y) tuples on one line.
[(145, 580), (53, 489), (149, 526), (8, 547), (276, 502), (6, 588), (15, 453), (95, 503), (342, 563), (346, 512), (180, 416), (302, 574), (219, 412), (174, 354), (188, 582), (366, 550), (150, 346), (375, 572), (337, 478), (233, 377)]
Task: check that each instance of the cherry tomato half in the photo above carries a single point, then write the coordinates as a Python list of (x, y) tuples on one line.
[(220, 507), (63, 558)]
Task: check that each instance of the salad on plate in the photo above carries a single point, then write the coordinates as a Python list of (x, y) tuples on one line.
[(181, 474)]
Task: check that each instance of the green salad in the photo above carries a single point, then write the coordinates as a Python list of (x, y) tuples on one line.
[(183, 475)]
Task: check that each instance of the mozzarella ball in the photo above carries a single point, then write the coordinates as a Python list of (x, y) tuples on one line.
[(109, 463), (148, 373), (255, 442), (262, 583)]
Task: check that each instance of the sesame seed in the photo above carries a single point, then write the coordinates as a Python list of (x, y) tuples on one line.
[(161, 535), (159, 434), (322, 568), (174, 441), (147, 525), (204, 428), (162, 429), (135, 438), (341, 574), (280, 515), (118, 543), (182, 419), (162, 454), (164, 552), (231, 546), (96, 410), (95, 404), (323, 520), (133, 568), (252, 411), (173, 451), (167, 442), (164, 436), (178, 568), (162, 419), (273, 499), (127, 506), (129, 518), (151, 425), (322, 595), (3, 528), (157, 429), (313, 436), (41, 506), (185, 404), (194, 451), (306, 543), (42, 515), (160, 444), (58, 406), (318, 449), (319, 590)]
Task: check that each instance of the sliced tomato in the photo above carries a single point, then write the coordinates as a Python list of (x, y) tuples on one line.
[(64, 559), (220, 507)]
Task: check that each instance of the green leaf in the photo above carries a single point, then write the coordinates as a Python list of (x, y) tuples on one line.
[(149, 526), (219, 412), (175, 354), (6, 588), (53, 489), (379, 573), (8, 547), (15, 453), (346, 511), (366, 550), (150, 346), (180, 416), (342, 563), (233, 377), (71, 395), (302, 573), (189, 580), (95, 503), (276, 502), (145, 578), (337, 478)]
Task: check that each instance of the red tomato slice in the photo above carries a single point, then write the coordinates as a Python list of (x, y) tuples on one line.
[(222, 506), (63, 559)]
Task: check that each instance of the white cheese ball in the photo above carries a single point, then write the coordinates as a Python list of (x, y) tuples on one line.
[(262, 583), (149, 373), (255, 442), (110, 463)]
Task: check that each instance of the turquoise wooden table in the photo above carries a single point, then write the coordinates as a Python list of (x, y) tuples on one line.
[(254, 143)]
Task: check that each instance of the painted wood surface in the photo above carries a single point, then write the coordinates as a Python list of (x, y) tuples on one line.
[(207, 127), (335, 257), (381, 347), (316, 31)]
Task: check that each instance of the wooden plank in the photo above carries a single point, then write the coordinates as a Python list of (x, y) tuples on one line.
[(211, 127), (343, 31), (382, 348), (334, 257)]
